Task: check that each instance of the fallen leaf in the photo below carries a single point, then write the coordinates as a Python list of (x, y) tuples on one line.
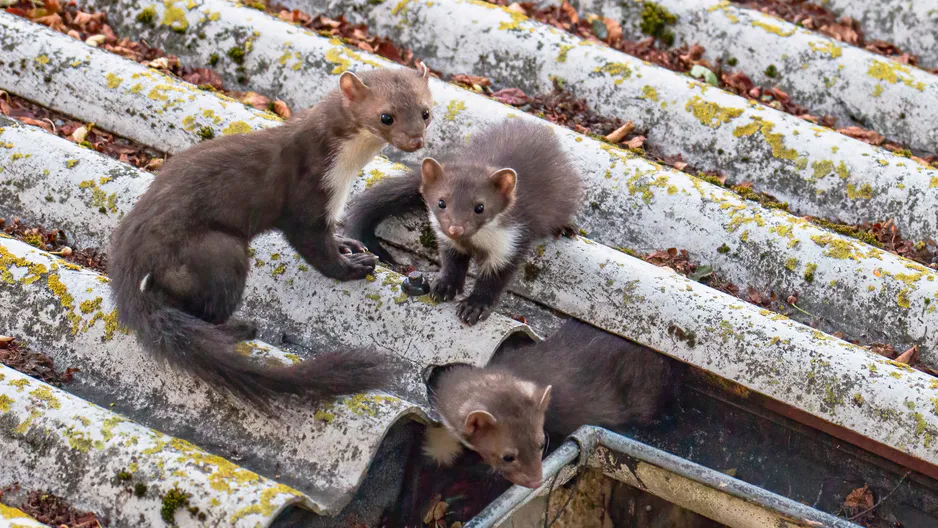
[(570, 11), (680, 165), (255, 99), (614, 29), (867, 136), (95, 41), (511, 96), (281, 109), (80, 134), (909, 357), (155, 164), (635, 142), (860, 499), (700, 72), (516, 8), (619, 134), (701, 272)]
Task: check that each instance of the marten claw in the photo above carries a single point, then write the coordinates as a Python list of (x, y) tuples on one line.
[(443, 291), (471, 311), (348, 246), (359, 266), (567, 231)]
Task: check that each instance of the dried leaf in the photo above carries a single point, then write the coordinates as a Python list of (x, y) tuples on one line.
[(511, 96), (281, 109), (80, 134), (614, 30), (255, 99), (700, 72), (619, 134), (635, 142), (859, 499), (95, 41), (701, 272), (909, 357)]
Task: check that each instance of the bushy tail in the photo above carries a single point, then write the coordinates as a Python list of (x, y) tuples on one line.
[(208, 351), (389, 197)]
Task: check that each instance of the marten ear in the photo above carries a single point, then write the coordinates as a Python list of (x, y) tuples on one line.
[(476, 421), (504, 180), (545, 399), (352, 87), (431, 171), (424, 71)]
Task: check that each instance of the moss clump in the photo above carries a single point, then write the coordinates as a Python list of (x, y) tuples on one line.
[(213, 59), (236, 54), (764, 199), (723, 249), (809, 272), (147, 17), (655, 22), (140, 489), (771, 71), (732, 61), (428, 238), (206, 133), (850, 231), (531, 272), (124, 475), (172, 501)]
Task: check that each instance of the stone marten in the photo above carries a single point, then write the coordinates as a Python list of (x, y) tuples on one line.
[(179, 259), (510, 186)]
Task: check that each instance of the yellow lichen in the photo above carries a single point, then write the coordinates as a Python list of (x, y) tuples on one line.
[(649, 93), (827, 47), (893, 72), (564, 49), (772, 28), (113, 81), (453, 109), (174, 17), (711, 114), (266, 507), (865, 191), (237, 127)]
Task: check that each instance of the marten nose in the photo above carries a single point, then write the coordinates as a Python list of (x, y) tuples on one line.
[(416, 143), (456, 230)]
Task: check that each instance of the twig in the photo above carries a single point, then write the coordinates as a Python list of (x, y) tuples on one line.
[(880, 501)]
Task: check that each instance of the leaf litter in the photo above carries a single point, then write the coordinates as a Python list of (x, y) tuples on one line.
[(51, 509), (688, 59), (55, 241), (16, 355)]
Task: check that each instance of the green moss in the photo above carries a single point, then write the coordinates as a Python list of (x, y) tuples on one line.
[(124, 475), (236, 54), (172, 501), (148, 16), (213, 59), (140, 489), (723, 249), (771, 71), (809, 272), (865, 191), (428, 238), (655, 22), (849, 230), (206, 133)]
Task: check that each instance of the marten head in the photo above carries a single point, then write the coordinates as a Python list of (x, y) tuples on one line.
[(499, 416), (464, 198), (393, 104)]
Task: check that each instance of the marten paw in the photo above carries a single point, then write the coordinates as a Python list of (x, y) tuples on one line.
[(358, 266), (567, 231), (348, 246), (473, 309), (445, 290)]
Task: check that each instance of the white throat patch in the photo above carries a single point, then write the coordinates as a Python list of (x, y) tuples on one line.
[(352, 156), (498, 243)]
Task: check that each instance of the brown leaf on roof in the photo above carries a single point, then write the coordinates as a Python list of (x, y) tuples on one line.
[(867, 136)]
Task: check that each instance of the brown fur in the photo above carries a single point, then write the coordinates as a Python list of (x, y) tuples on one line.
[(527, 189), (591, 377), (179, 259)]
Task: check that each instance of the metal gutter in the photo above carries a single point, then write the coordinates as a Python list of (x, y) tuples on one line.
[(710, 493)]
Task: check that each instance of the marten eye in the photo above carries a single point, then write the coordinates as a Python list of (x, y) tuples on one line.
[(509, 458), (426, 115), (442, 204), (480, 208), (387, 119)]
